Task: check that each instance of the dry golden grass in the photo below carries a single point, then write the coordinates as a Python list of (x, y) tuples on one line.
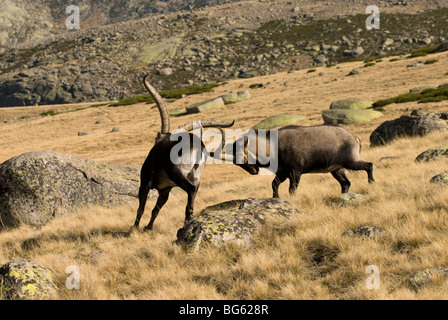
[(285, 261)]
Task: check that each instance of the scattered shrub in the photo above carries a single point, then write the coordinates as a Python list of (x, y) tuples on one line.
[(167, 94), (48, 113), (431, 61), (428, 95)]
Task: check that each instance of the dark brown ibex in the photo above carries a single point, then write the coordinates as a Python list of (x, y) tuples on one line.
[(297, 150), (161, 173)]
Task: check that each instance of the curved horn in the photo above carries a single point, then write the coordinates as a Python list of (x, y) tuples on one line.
[(161, 105), (206, 124), (211, 123)]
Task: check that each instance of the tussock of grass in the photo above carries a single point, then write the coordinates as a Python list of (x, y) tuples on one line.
[(431, 61)]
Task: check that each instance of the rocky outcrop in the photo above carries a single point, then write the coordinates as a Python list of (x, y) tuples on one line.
[(235, 220), (24, 280), (416, 124), (39, 186)]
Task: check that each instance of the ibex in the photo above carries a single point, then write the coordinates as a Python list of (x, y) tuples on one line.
[(298, 150), (161, 173)]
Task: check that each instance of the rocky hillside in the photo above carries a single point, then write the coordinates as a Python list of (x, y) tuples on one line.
[(106, 58), (25, 20)]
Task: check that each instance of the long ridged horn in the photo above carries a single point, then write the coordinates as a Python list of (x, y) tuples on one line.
[(161, 105), (206, 124), (211, 123)]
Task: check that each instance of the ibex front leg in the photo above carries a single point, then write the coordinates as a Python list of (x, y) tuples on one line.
[(142, 197)]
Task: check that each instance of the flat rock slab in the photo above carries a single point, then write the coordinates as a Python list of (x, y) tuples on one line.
[(349, 116), (235, 97), (206, 105), (349, 198), (39, 186), (235, 220), (352, 103), (279, 121), (416, 124)]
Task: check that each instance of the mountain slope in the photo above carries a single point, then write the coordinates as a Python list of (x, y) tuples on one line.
[(214, 44)]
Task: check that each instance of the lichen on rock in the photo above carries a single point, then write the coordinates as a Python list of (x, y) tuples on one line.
[(39, 186), (235, 220), (24, 280), (426, 276)]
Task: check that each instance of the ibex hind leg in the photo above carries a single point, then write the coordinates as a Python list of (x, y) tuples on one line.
[(161, 200), (362, 165), (341, 177), (294, 179), (279, 178)]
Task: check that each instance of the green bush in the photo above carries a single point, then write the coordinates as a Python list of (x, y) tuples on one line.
[(167, 94), (48, 113), (428, 95), (431, 61)]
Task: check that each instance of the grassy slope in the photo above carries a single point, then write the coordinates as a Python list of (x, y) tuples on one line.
[(117, 265)]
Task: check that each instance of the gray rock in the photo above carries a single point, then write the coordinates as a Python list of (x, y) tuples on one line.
[(352, 103), (432, 154), (165, 71), (409, 126), (235, 220), (349, 116), (349, 198), (441, 178), (235, 97), (354, 52), (24, 280), (365, 232), (280, 120), (205, 105), (39, 186), (355, 72), (425, 277)]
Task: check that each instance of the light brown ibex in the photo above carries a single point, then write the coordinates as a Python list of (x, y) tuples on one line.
[(298, 150)]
